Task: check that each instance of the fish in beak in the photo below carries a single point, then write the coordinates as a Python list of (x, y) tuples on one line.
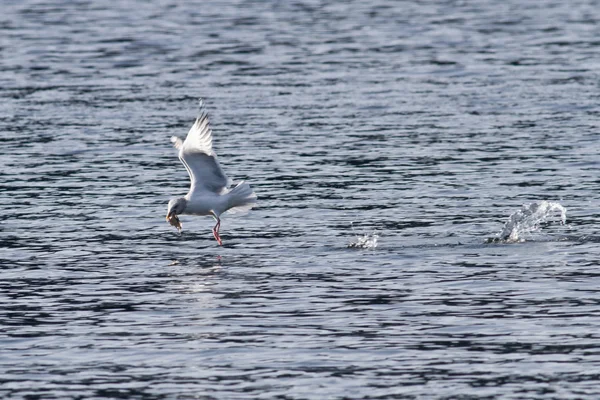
[(173, 220)]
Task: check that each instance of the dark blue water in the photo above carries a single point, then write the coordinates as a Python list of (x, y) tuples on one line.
[(426, 123)]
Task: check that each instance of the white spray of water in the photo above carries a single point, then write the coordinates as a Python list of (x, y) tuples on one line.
[(365, 241), (529, 218)]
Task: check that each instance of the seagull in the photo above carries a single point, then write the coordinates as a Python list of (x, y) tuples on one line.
[(209, 193)]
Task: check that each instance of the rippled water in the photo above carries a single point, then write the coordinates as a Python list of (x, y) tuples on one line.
[(427, 124)]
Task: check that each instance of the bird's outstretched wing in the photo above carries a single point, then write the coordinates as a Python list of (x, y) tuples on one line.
[(199, 159)]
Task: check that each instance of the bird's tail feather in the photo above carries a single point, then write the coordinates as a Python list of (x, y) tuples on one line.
[(241, 198)]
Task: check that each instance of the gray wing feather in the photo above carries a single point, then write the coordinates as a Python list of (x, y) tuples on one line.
[(200, 160)]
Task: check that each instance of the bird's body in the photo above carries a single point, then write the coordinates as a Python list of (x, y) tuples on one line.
[(205, 204), (209, 192)]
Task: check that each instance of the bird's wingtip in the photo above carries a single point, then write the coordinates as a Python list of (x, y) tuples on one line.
[(177, 142)]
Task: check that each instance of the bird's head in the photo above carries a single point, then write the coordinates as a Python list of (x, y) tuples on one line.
[(176, 207)]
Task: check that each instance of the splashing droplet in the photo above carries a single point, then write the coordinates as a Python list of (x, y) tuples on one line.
[(529, 218), (365, 241)]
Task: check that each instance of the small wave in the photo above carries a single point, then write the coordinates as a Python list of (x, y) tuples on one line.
[(528, 219)]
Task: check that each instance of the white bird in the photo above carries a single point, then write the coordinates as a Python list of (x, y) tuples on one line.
[(209, 193)]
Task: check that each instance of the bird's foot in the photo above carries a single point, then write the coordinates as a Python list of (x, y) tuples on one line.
[(216, 231), (217, 237)]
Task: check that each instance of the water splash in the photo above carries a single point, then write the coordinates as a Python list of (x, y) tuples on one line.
[(528, 219), (365, 241)]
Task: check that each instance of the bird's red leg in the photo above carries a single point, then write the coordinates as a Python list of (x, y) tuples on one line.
[(216, 232)]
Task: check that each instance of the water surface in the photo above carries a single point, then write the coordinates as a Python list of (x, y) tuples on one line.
[(427, 124)]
